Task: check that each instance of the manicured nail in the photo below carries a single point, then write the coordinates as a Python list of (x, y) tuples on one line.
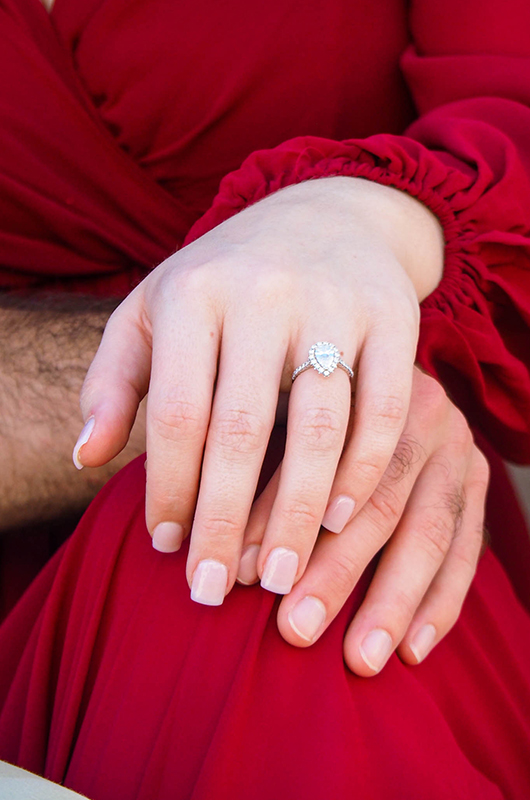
[(248, 571), (280, 570), (209, 582), (167, 537), (307, 617), (376, 649), (338, 513), (423, 641), (84, 436)]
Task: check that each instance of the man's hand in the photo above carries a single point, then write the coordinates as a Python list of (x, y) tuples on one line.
[(46, 346), (427, 513)]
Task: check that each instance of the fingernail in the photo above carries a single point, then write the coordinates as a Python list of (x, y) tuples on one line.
[(167, 537), (248, 571), (280, 570), (209, 582), (307, 617), (423, 641), (338, 513), (376, 649), (84, 436)]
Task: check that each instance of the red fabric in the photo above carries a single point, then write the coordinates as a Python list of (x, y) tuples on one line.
[(119, 120), (116, 683)]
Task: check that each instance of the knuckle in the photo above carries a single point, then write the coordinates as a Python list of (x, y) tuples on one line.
[(240, 430), (176, 418), (435, 535), (166, 502), (220, 527), (272, 285), (441, 466), (368, 471), (343, 572), (301, 514), (320, 428), (387, 412), (188, 280), (384, 507)]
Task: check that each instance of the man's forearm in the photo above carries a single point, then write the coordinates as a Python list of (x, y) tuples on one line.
[(46, 346)]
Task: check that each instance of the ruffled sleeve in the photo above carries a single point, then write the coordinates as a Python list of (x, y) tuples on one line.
[(466, 157)]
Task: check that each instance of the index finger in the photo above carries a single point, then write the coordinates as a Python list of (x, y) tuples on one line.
[(184, 366)]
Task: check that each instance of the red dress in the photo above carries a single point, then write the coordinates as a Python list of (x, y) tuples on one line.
[(119, 119)]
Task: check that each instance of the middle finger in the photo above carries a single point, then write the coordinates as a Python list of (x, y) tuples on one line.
[(241, 422)]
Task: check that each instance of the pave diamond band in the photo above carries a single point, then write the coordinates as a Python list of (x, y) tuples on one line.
[(324, 357)]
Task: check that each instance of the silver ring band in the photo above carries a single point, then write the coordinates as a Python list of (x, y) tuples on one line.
[(324, 357)]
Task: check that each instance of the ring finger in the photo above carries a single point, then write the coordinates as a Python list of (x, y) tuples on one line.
[(317, 421)]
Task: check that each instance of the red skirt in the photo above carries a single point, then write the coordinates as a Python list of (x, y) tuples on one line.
[(113, 682)]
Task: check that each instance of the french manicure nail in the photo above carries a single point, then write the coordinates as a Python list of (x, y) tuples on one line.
[(280, 570), (338, 513), (209, 582), (376, 648), (423, 641), (248, 571), (167, 537), (307, 617), (84, 436)]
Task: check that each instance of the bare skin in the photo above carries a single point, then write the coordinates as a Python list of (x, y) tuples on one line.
[(399, 246), (46, 346), (337, 257)]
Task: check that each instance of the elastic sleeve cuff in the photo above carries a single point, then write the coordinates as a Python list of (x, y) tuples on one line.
[(474, 326)]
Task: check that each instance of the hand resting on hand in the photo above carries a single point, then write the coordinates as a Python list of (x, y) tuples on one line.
[(213, 335)]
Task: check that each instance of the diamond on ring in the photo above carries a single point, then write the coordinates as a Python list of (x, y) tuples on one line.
[(324, 357)]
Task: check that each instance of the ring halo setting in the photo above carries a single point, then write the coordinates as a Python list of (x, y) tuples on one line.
[(324, 358)]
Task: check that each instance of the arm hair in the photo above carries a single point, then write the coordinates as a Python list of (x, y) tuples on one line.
[(47, 343)]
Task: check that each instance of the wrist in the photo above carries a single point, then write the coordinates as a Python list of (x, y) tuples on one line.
[(412, 232), (400, 221)]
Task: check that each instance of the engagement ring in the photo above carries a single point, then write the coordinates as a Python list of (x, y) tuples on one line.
[(324, 357)]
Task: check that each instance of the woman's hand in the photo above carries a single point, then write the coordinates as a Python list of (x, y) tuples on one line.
[(215, 332), (428, 511)]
